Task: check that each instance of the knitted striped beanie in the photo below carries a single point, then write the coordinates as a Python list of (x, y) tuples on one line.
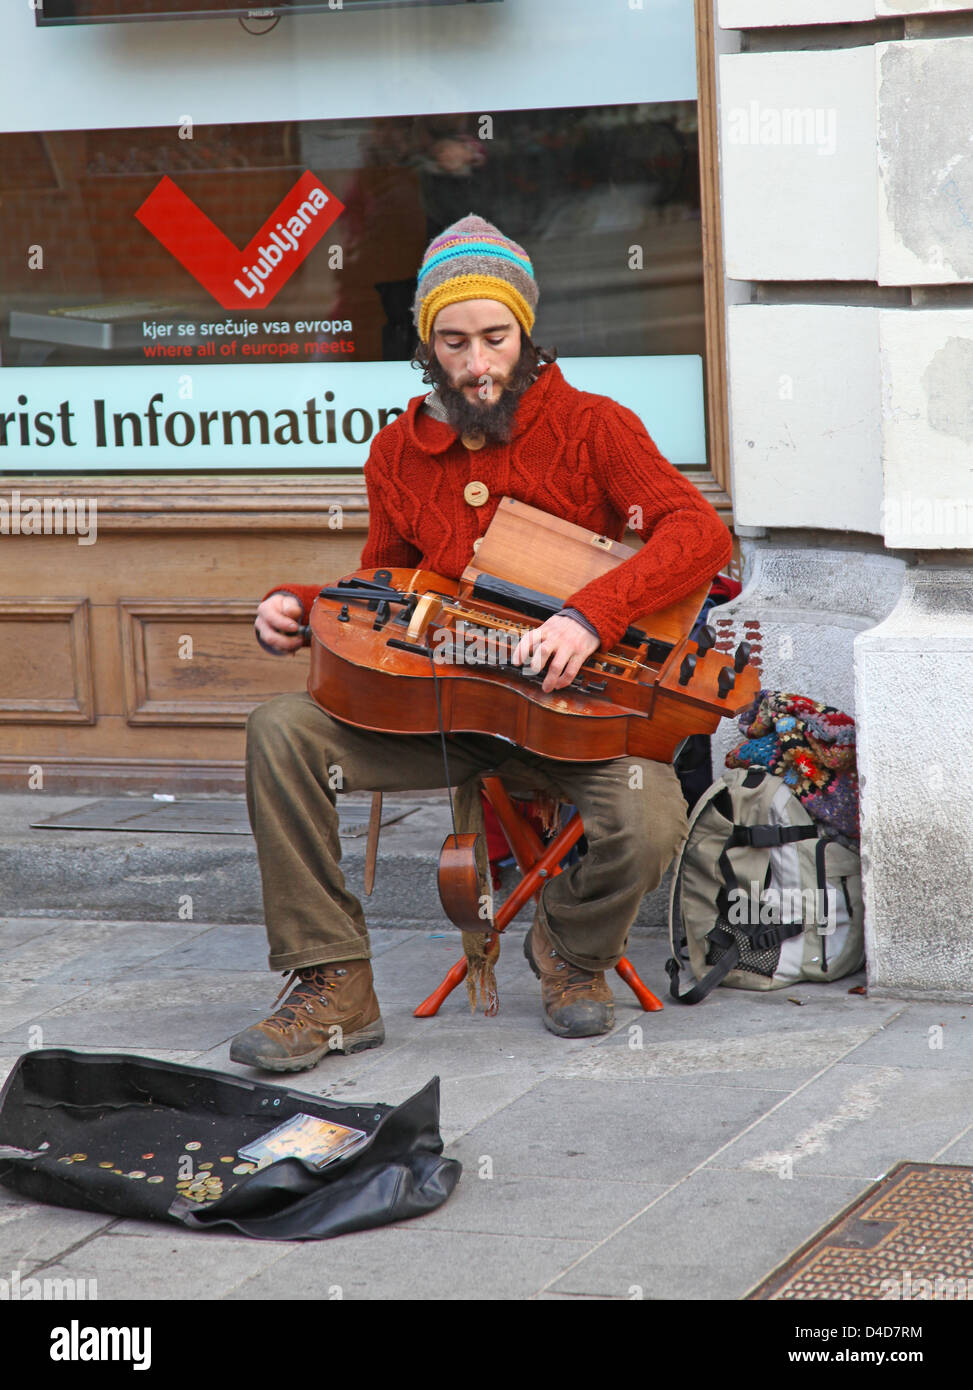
[(472, 259)]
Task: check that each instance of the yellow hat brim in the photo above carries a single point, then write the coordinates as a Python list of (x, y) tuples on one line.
[(465, 287)]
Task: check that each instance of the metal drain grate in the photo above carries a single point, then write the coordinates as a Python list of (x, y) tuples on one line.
[(908, 1237)]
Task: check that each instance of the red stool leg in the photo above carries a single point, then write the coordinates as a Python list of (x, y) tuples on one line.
[(626, 970), (548, 864), (525, 844), (536, 864), (518, 835), (455, 977)]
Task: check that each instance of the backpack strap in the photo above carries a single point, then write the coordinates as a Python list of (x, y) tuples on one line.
[(759, 837), (677, 936), (819, 860), (763, 935), (768, 836), (698, 992)]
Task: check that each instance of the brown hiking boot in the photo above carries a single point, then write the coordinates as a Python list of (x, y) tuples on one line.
[(577, 1003), (332, 1008)]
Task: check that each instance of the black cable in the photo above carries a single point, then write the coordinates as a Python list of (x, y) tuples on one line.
[(442, 738)]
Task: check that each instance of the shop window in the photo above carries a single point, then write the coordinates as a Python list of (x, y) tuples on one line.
[(605, 199)]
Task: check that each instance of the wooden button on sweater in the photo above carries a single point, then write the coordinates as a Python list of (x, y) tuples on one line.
[(476, 494)]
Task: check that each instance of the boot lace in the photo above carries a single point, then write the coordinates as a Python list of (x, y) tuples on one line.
[(313, 984), (572, 979)]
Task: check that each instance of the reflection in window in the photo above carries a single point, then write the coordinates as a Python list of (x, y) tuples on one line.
[(604, 199)]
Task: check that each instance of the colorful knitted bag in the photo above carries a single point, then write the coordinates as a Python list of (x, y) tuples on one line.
[(811, 748)]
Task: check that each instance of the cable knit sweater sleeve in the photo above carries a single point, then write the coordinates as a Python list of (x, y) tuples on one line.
[(385, 548), (686, 543)]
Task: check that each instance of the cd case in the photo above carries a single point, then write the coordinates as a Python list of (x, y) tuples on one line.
[(304, 1136)]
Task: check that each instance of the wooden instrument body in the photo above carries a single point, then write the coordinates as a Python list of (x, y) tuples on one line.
[(639, 707)]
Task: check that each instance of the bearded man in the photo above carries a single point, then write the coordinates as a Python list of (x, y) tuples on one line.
[(500, 421)]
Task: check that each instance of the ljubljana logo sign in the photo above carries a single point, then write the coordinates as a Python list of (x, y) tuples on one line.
[(250, 277)]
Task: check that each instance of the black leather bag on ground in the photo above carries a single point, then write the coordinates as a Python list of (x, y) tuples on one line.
[(114, 1133)]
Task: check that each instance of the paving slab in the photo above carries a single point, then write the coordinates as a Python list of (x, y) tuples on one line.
[(933, 1037), (194, 1009), (753, 1060), (31, 1235), (858, 1121), (165, 1262), (407, 973), (417, 1263), (14, 930), (91, 951), (483, 1065), (517, 1205), (161, 948), (628, 1131), (569, 1298), (24, 1002), (959, 1149), (714, 1236)]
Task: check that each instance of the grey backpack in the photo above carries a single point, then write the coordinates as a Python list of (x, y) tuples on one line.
[(760, 897)]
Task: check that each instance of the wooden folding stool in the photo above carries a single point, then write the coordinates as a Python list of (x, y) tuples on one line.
[(536, 863)]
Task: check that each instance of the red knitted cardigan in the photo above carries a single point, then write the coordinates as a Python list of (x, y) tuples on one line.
[(583, 457)]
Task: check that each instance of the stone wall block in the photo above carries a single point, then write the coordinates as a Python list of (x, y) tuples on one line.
[(907, 7), (805, 416), (914, 678), (797, 137), (758, 14), (927, 428), (925, 160), (753, 14)]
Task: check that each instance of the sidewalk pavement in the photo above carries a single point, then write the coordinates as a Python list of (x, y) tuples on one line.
[(682, 1156)]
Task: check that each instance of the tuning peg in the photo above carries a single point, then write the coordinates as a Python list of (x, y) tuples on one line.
[(741, 656), (686, 669), (705, 640), (725, 682)]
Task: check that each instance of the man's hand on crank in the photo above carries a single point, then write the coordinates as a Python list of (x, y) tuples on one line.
[(562, 643), (277, 625)]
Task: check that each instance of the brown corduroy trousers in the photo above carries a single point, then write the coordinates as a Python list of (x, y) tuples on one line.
[(299, 760)]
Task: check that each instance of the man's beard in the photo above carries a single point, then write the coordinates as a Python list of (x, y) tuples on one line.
[(495, 420)]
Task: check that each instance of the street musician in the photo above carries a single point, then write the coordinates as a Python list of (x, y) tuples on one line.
[(499, 421)]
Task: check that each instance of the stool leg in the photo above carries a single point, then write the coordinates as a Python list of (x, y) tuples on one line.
[(547, 866), (524, 841), (536, 864), (626, 970), (455, 977)]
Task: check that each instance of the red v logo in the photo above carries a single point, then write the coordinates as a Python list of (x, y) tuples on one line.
[(251, 277)]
